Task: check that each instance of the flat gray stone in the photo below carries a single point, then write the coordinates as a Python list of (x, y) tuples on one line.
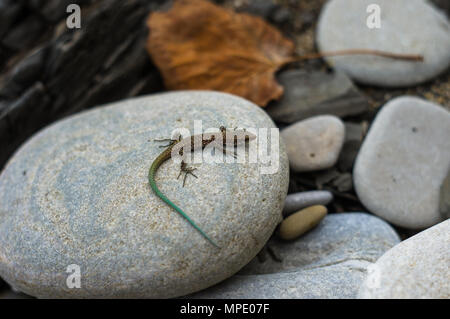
[(297, 201), (314, 143), (407, 27), (416, 268), (403, 162), (309, 94), (77, 193), (328, 262)]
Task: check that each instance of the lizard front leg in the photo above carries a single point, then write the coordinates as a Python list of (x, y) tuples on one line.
[(186, 170), (170, 140)]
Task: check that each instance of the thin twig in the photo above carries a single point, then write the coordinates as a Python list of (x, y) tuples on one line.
[(311, 56)]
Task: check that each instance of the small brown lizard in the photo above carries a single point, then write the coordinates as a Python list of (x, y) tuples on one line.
[(191, 143)]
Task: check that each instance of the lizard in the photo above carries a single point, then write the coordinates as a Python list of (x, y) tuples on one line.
[(191, 143)]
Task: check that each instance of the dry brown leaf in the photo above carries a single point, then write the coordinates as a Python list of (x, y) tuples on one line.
[(198, 45)]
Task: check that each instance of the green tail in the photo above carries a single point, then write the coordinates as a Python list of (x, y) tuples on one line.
[(152, 182)]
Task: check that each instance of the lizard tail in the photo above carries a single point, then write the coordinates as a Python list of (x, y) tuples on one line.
[(151, 179)]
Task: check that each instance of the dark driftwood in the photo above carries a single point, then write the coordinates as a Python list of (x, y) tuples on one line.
[(48, 71)]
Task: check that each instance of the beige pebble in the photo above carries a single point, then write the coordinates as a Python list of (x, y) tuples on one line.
[(315, 143), (299, 223)]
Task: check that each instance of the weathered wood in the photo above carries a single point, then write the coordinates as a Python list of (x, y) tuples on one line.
[(48, 71)]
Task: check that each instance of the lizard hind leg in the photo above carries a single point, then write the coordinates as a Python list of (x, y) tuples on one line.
[(186, 170)]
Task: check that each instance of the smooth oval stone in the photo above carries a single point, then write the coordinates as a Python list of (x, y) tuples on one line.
[(406, 27), (416, 268), (314, 143), (295, 202), (77, 193), (328, 262), (299, 223), (403, 161)]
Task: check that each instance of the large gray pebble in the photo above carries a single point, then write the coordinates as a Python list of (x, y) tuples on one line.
[(403, 161), (328, 262), (418, 267), (314, 143), (407, 27), (77, 193)]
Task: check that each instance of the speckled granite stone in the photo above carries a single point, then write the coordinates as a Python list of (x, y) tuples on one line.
[(77, 193), (416, 268)]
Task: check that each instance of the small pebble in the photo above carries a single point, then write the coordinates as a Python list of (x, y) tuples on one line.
[(326, 177), (299, 223), (262, 8), (281, 15), (344, 182), (295, 202), (355, 131), (330, 261), (315, 143)]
